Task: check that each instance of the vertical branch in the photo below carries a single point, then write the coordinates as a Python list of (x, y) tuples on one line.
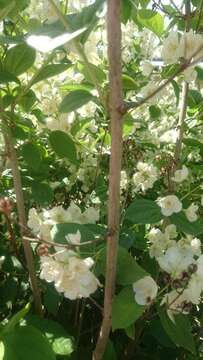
[(22, 218), (183, 112), (116, 102)]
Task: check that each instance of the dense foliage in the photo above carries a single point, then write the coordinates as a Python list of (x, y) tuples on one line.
[(55, 147)]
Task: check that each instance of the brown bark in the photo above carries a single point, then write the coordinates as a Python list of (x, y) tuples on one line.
[(11, 151), (115, 104)]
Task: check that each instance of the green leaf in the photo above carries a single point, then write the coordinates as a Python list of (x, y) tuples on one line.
[(60, 341), (125, 310), (28, 100), (51, 299), (8, 291), (50, 71), (128, 271), (26, 342), (179, 332), (184, 225), (6, 77), (31, 155), (63, 145), (42, 193), (97, 71), (194, 98), (59, 231), (155, 111), (151, 20), (110, 353), (6, 9), (74, 100), (19, 59), (199, 71), (143, 211), (176, 91), (128, 82), (16, 319)]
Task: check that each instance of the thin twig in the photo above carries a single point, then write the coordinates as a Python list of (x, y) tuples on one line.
[(134, 105), (116, 101), (65, 246), (12, 155)]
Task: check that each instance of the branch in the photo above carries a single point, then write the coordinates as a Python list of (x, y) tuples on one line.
[(116, 101), (64, 246), (22, 218), (134, 105), (182, 116)]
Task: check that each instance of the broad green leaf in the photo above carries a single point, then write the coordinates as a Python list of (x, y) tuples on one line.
[(110, 353), (28, 100), (125, 310), (143, 211), (51, 299), (74, 100), (128, 271), (31, 155), (184, 225), (128, 82), (193, 143), (97, 71), (6, 77), (50, 71), (42, 193), (179, 332), (4, 11), (59, 231), (26, 342), (194, 98), (63, 145), (60, 341), (19, 59), (8, 290), (151, 20), (10, 326)]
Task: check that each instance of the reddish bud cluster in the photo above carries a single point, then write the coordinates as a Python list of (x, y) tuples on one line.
[(6, 206)]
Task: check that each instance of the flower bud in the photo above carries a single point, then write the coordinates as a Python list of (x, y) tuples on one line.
[(6, 206)]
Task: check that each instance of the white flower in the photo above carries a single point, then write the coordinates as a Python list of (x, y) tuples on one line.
[(145, 290), (155, 235), (145, 177), (170, 231), (190, 213), (175, 260), (50, 269), (170, 136), (181, 174), (70, 274), (194, 289), (169, 204), (190, 74), (124, 179), (77, 280), (172, 50), (148, 90), (146, 68), (34, 221), (74, 238), (196, 246)]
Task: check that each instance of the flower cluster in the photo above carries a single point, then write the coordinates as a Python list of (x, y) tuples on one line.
[(145, 176), (187, 46), (70, 274)]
